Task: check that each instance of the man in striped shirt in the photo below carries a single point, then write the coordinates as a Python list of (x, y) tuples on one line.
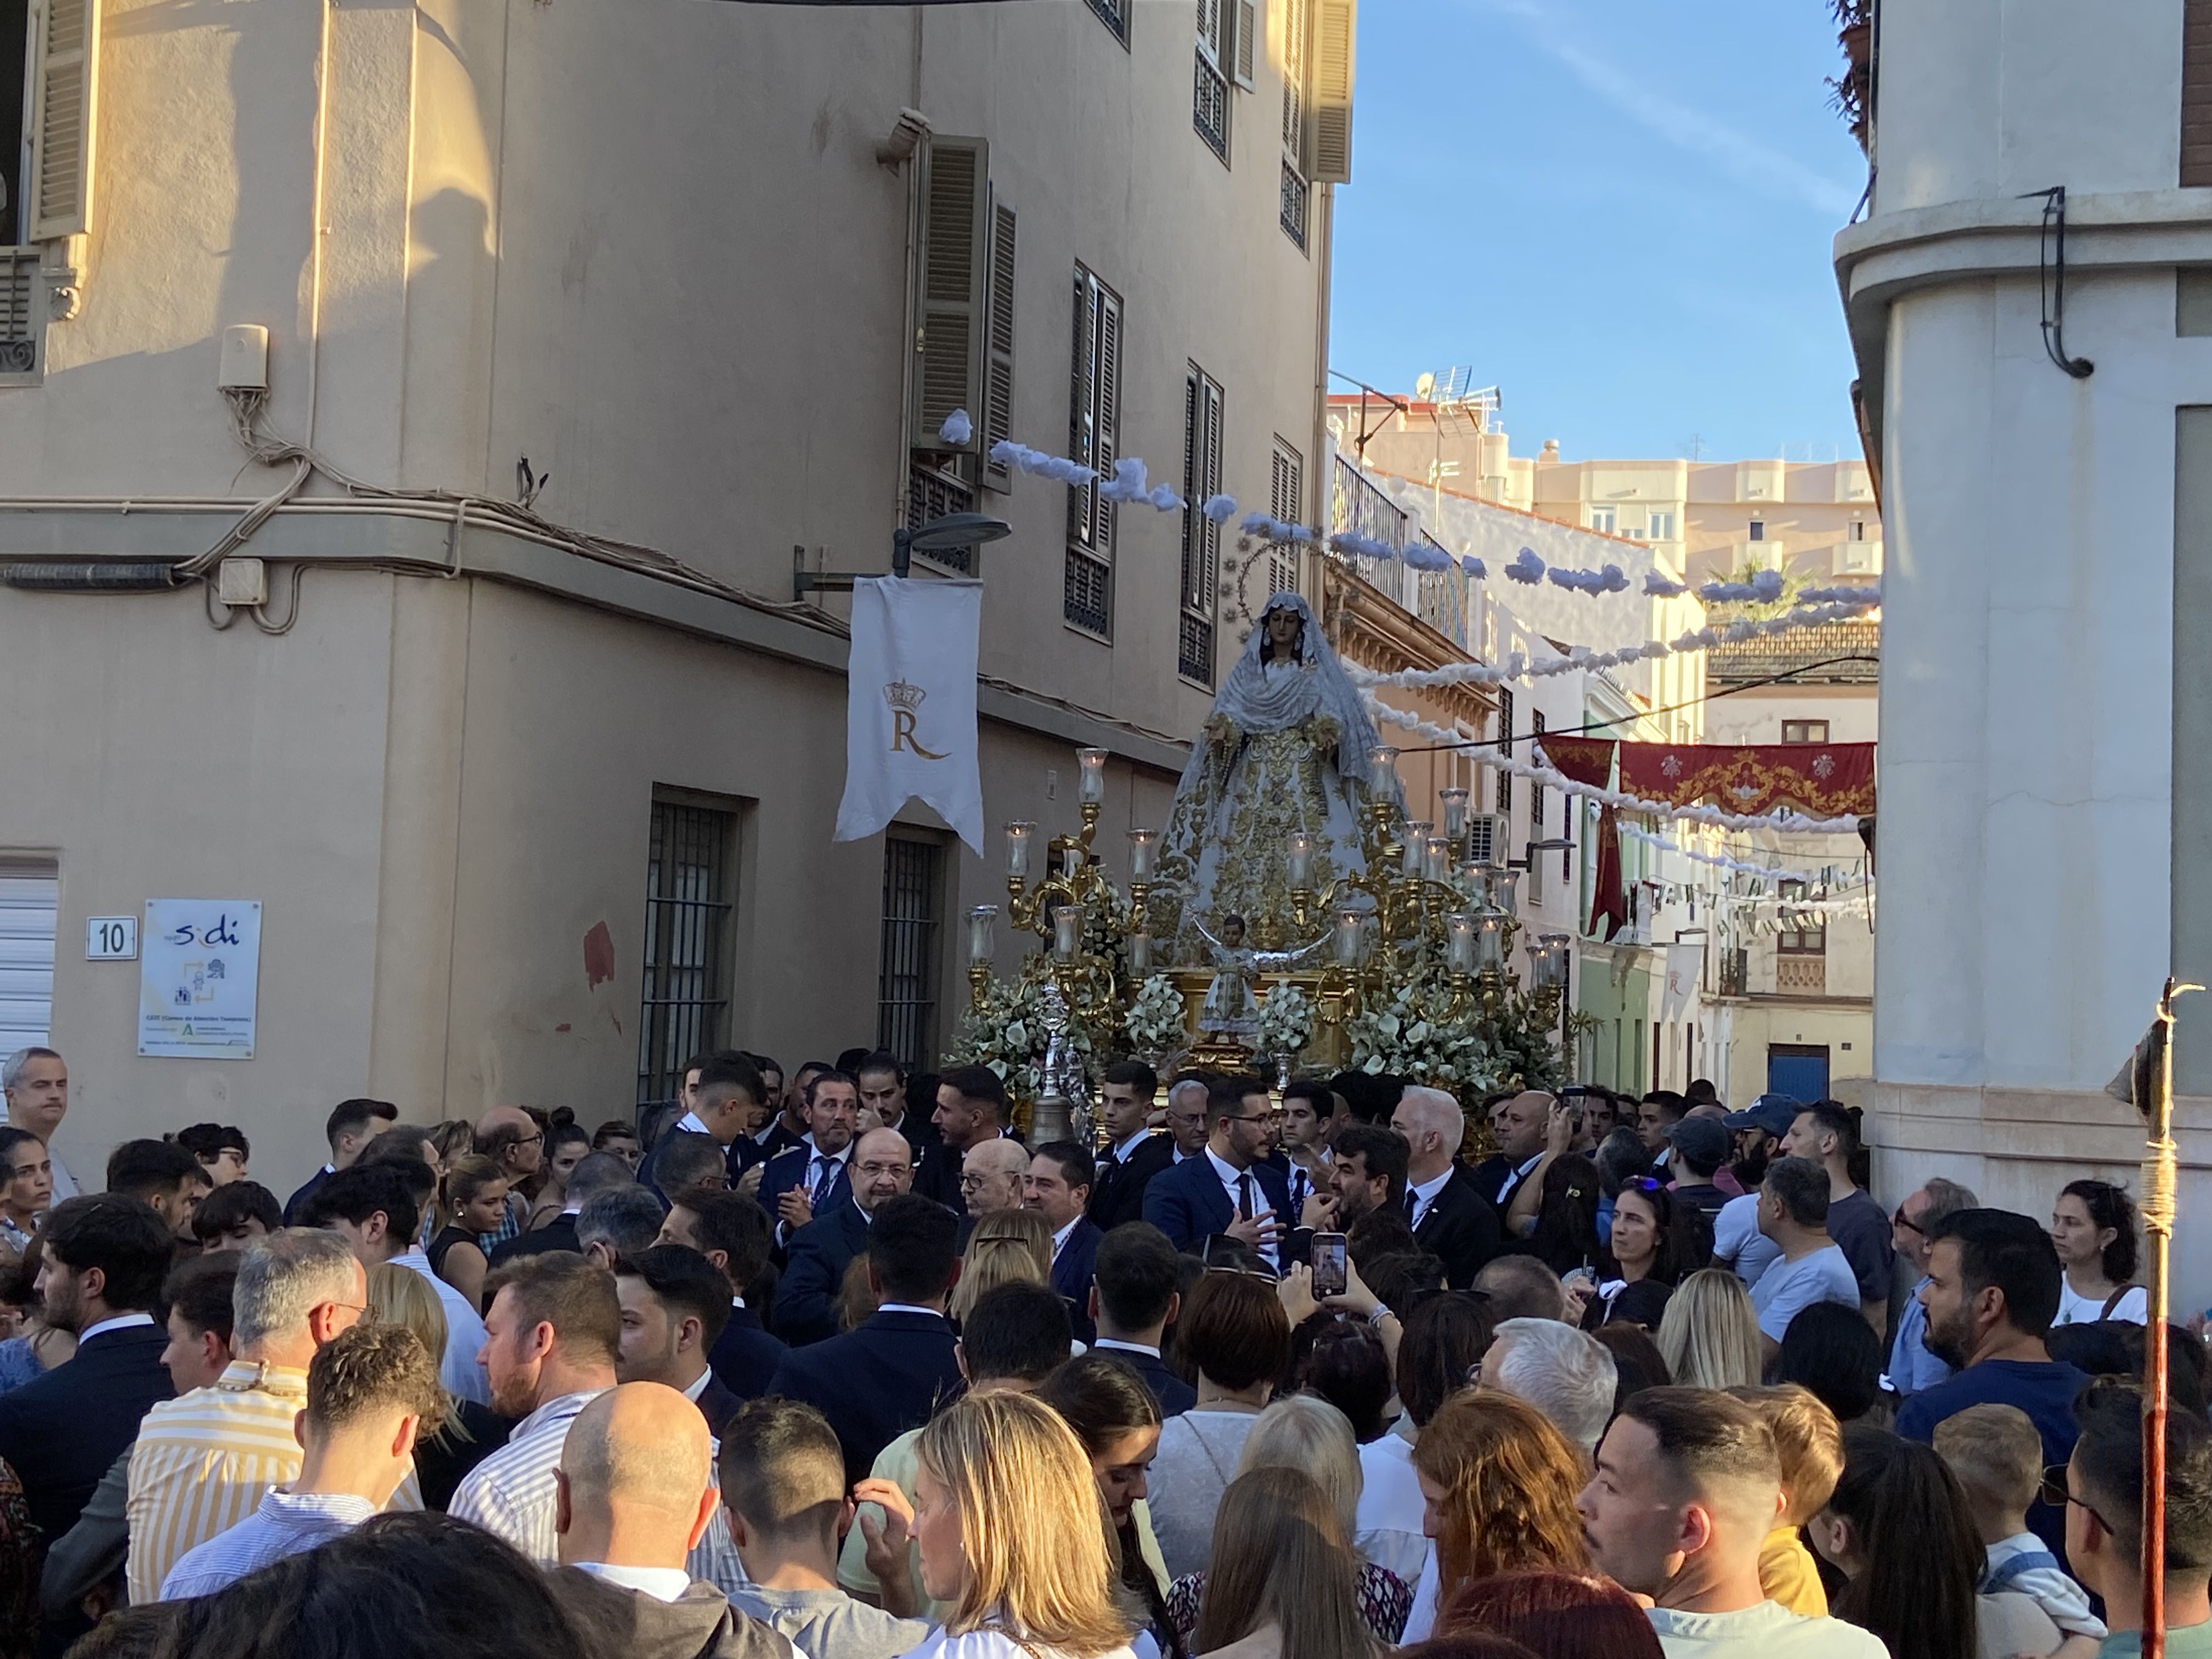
[(369, 1391), (202, 1463), (552, 1333)]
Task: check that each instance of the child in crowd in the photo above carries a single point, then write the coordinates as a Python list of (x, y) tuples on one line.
[(1997, 1456), (1811, 1444)]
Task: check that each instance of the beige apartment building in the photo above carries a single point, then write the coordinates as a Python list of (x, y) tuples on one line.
[(602, 323), (1817, 520)]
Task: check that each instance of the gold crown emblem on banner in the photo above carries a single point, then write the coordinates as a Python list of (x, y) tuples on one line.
[(902, 695)]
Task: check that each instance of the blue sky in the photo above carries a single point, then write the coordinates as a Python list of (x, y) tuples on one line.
[(1618, 211)]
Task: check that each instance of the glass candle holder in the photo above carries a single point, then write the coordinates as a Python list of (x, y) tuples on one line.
[(1547, 962), (1489, 940), (1070, 859), (1299, 856), (1459, 929), (1020, 837), (1091, 785), (1435, 859), (1505, 891), (1416, 834), (1351, 935), (1141, 953), (1066, 931), (1455, 805), (981, 925), (1143, 843)]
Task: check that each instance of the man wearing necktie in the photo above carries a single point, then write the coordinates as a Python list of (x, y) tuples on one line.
[(1226, 1189), (812, 1178), (1308, 1113)]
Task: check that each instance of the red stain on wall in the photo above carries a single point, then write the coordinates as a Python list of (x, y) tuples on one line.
[(599, 956), (563, 1026)]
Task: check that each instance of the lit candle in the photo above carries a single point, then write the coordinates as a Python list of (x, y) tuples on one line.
[(1488, 941), (1301, 847), (1141, 953), (1383, 759), (1092, 786), (1142, 845), (1459, 929), (979, 924), (1066, 931), (1505, 890), (1350, 935), (1020, 837), (1454, 802), (1435, 862), (1417, 842)]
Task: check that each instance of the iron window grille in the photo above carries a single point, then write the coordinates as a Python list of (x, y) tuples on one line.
[(1295, 191), (906, 988), (1209, 106), (688, 895)]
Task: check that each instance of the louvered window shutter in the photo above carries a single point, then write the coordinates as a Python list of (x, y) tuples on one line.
[(1251, 17), (65, 48), (1506, 743), (1286, 487), (956, 199), (1210, 484), (1328, 101), (1109, 372), (1080, 497), (999, 367)]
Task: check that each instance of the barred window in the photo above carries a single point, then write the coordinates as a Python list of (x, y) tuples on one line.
[(690, 892)]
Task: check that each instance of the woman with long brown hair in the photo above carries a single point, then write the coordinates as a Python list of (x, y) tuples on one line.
[(1013, 1536), (1117, 1420), (1282, 1583), (1499, 1483)]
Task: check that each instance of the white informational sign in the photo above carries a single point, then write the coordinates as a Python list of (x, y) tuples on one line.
[(111, 939), (199, 982)]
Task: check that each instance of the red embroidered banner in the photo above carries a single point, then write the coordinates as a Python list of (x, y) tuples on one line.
[(1825, 780), (1608, 893), (1586, 760)]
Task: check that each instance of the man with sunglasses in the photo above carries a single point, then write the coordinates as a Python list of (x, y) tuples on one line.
[(1913, 1367), (2100, 1488), (1227, 1188)]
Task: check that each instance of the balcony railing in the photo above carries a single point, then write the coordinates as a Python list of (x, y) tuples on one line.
[(1209, 106), (1801, 976), (1438, 598), (1295, 193), (931, 494), (19, 330)]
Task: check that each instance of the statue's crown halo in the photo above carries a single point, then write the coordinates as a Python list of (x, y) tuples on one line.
[(903, 694)]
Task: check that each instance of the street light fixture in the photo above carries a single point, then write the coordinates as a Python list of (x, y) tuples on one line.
[(938, 535)]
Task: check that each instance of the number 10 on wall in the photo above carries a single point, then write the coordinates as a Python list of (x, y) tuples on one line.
[(111, 939)]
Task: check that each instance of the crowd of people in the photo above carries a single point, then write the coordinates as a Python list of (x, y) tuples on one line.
[(836, 1365)]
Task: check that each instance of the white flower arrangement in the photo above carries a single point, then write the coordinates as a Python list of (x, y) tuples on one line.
[(1398, 1039), (1008, 1034), (1287, 1021), (1155, 1024)]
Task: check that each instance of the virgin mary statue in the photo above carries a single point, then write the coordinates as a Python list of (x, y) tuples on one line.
[(1285, 749)]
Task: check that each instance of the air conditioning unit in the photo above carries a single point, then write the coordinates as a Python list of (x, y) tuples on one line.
[(1489, 837)]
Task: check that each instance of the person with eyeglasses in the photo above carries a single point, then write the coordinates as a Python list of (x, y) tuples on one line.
[(820, 1251), (510, 1138), (1226, 1188), (1913, 1367), (2101, 1486)]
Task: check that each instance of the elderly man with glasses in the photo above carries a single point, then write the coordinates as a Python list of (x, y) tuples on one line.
[(1913, 1366)]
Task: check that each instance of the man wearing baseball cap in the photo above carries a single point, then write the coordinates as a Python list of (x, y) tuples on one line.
[(1701, 1146), (1737, 1242)]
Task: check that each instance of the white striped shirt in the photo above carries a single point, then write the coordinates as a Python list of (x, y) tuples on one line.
[(202, 1463), (285, 1524), (511, 1495), (457, 1370)]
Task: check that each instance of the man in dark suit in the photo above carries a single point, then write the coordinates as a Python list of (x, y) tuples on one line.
[(1057, 1187), (820, 1251), (1520, 1122), (1226, 1189), (1450, 1218), (883, 1083), (1133, 1153), (876, 1382), (106, 1257), (971, 1104), (816, 1177), (731, 1232), (351, 1125), (724, 1102), (675, 1306), (595, 1173), (1133, 1298)]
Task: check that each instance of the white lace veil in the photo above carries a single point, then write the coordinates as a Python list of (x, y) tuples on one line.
[(1258, 701)]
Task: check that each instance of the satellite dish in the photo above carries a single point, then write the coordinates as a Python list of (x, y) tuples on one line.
[(1424, 387)]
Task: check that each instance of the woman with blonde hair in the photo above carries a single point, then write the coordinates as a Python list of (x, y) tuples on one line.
[(1498, 1482), (1013, 1536), (1709, 1336), (1007, 1247), (1282, 1581), (468, 1432), (1311, 1436)]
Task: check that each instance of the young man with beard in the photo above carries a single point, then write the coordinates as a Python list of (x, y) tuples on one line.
[(1828, 1133), (1737, 1241), (1133, 1153), (816, 1177), (1990, 1294), (1057, 1186), (1226, 1189)]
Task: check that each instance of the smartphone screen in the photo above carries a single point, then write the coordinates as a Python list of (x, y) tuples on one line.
[(1329, 1264)]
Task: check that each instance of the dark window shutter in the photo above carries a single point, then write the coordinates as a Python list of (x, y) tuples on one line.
[(2196, 92), (998, 366), (950, 312)]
